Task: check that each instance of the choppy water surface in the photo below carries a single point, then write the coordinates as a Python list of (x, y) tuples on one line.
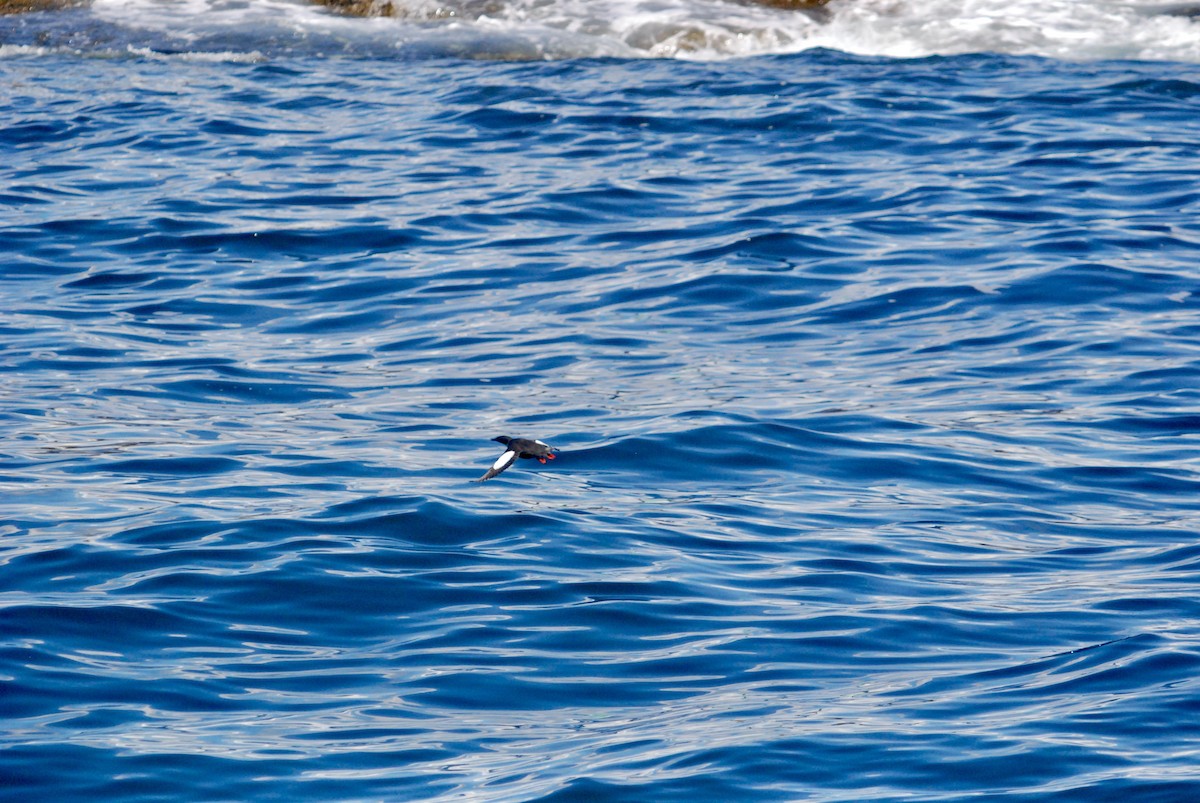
[(875, 384)]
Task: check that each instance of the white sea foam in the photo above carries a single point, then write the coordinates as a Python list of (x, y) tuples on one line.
[(1066, 29), (697, 29)]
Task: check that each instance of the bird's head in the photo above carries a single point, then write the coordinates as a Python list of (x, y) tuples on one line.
[(503, 439)]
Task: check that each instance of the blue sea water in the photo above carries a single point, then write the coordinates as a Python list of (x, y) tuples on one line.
[(875, 383)]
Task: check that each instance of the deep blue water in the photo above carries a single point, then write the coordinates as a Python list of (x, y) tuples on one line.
[(875, 384)]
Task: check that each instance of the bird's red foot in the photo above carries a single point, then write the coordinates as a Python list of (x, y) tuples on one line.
[(542, 460), (549, 457)]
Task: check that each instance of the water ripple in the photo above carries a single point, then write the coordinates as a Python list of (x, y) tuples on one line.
[(873, 384)]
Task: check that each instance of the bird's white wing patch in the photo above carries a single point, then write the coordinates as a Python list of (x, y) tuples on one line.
[(541, 443), (502, 462)]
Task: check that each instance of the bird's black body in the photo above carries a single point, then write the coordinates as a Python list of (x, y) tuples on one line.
[(528, 448)]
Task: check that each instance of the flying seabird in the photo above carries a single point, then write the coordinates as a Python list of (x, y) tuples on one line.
[(518, 447)]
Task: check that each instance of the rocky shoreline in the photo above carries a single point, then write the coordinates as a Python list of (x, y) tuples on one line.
[(475, 8), (25, 6), (381, 8)]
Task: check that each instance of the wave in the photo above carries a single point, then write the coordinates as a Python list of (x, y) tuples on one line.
[(686, 29)]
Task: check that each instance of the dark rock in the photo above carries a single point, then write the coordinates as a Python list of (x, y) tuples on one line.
[(797, 5), (462, 9), (23, 6), (473, 9), (457, 9)]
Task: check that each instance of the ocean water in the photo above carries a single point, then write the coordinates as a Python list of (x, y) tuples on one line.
[(869, 338)]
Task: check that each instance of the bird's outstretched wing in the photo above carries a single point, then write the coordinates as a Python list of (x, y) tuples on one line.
[(502, 462)]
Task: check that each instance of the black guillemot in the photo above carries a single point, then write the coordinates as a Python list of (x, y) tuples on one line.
[(518, 447)]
